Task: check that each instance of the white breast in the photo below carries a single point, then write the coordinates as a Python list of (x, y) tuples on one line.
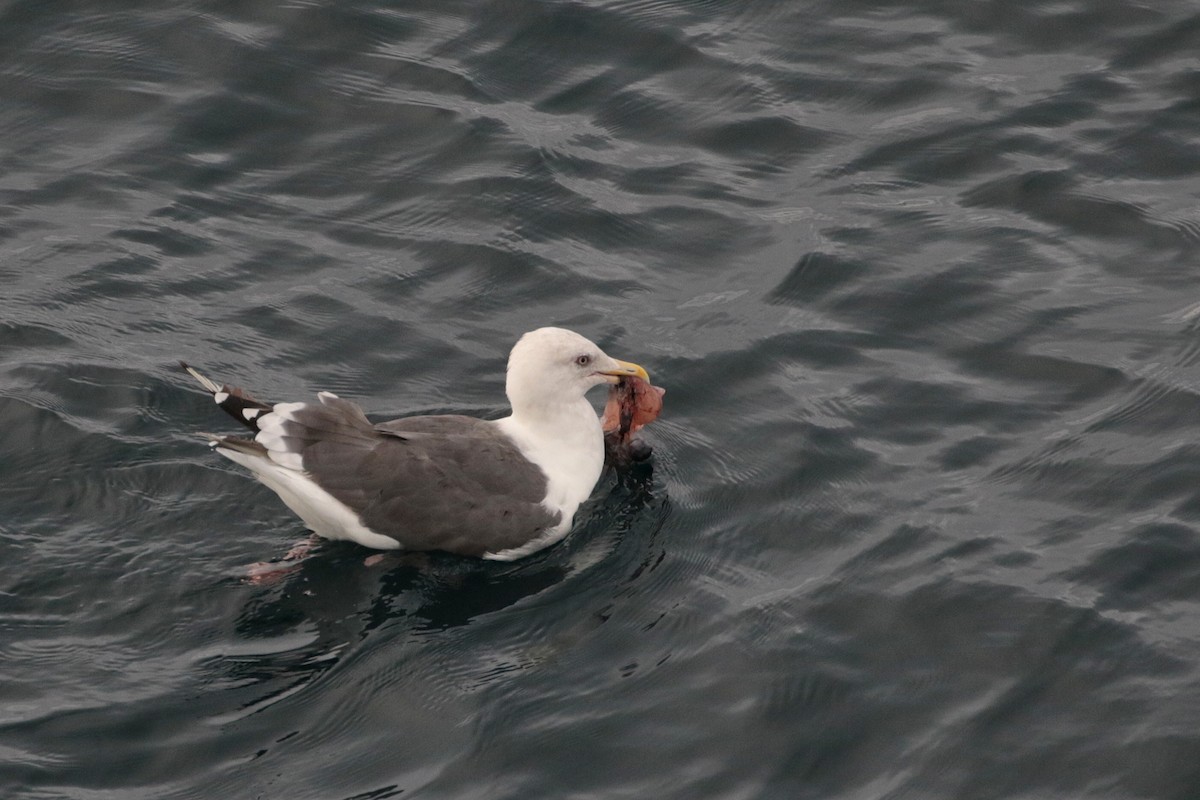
[(569, 448)]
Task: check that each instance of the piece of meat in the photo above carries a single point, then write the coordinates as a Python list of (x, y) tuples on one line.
[(632, 404)]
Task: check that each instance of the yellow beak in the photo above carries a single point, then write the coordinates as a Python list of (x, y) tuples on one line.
[(626, 369)]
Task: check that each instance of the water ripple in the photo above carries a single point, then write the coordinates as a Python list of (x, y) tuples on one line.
[(922, 515)]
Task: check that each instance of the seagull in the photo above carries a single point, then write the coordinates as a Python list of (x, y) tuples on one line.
[(495, 489)]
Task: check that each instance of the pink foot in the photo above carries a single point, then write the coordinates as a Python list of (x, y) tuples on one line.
[(266, 573), (300, 549)]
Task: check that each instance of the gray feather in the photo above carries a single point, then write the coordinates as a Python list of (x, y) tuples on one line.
[(448, 483)]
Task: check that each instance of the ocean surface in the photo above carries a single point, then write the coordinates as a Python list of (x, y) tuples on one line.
[(921, 279)]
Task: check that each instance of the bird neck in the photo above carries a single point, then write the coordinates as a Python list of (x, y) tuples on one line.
[(557, 420)]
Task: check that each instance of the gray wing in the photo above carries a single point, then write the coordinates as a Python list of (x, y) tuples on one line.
[(439, 423), (432, 483)]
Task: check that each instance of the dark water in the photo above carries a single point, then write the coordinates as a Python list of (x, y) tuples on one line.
[(920, 278)]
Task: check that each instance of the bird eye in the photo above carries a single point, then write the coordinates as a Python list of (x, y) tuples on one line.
[(583, 360)]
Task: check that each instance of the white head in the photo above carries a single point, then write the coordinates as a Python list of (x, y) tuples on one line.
[(553, 366)]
